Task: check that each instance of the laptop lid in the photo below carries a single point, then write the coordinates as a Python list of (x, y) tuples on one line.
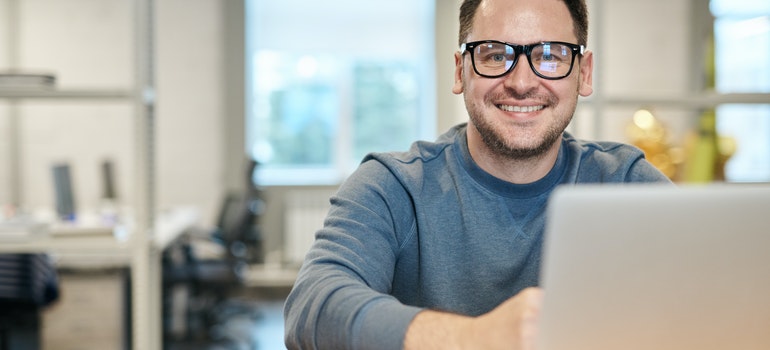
[(657, 267)]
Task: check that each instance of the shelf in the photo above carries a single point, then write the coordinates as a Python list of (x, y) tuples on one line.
[(108, 94), (693, 101), (83, 244)]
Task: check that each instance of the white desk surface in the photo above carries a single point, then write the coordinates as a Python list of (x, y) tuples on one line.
[(87, 245)]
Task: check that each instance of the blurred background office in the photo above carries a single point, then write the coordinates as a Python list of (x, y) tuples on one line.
[(205, 105)]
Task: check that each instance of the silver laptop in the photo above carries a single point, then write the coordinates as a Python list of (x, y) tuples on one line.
[(654, 267)]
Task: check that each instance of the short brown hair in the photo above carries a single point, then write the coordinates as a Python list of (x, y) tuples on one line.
[(577, 9)]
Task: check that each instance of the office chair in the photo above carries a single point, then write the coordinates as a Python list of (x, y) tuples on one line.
[(206, 281), (28, 283)]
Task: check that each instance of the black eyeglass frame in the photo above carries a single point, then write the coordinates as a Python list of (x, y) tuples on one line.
[(522, 49)]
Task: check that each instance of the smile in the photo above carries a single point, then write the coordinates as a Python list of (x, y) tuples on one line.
[(521, 109)]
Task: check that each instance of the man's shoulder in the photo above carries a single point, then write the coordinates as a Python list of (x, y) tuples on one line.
[(602, 149), (407, 170), (421, 151), (608, 161)]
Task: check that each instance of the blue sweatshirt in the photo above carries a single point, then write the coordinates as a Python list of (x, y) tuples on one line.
[(428, 228)]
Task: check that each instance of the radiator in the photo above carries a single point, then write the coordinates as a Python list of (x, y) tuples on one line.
[(304, 214)]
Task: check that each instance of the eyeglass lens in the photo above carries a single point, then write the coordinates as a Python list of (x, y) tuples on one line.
[(551, 60)]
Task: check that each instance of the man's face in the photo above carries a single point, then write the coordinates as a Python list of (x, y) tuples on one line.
[(521, 115)]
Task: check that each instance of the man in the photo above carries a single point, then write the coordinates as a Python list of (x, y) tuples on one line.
[(439, 247)]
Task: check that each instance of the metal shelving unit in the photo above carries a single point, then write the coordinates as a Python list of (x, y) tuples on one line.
[(142, 249), (68, 94)]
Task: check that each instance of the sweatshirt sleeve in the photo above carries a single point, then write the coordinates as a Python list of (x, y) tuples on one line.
[(341, 298)]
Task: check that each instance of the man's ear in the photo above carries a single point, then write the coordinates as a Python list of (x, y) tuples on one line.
[(585, 87), (457, 88)]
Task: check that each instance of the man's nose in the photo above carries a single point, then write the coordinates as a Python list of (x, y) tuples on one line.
[(521, 78)]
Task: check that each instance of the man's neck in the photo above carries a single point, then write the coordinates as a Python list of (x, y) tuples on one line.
[(513, 170)]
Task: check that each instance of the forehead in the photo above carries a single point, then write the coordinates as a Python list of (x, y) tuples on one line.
[(523, 21)]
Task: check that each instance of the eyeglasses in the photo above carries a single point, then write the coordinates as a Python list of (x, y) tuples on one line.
[(550, 60)]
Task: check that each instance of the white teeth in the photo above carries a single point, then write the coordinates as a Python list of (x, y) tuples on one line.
[(521, 109)]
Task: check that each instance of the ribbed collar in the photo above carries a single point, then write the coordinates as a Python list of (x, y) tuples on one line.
[(505, 188)]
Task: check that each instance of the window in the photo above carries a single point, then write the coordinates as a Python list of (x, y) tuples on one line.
[(331, 82), (742, 65)]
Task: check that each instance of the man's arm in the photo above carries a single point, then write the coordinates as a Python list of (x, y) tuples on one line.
[(511, 325), (341, 299)]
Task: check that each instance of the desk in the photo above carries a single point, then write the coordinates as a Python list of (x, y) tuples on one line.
[(88, 249), (265, 276)]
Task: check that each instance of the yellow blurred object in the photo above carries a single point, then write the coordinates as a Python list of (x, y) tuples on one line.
[(651, 136), (727, 147), (702, 151), (707, 152)]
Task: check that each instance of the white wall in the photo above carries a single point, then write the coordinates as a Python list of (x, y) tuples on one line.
[(191, 111), (641, 51), (450, 108), (89, 44)]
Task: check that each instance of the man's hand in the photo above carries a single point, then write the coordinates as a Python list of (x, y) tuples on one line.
[(511, 325)]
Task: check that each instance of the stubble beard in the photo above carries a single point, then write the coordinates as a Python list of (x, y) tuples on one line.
[(501, 145)]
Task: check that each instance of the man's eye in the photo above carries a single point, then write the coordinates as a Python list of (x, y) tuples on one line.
[(548, 58)]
